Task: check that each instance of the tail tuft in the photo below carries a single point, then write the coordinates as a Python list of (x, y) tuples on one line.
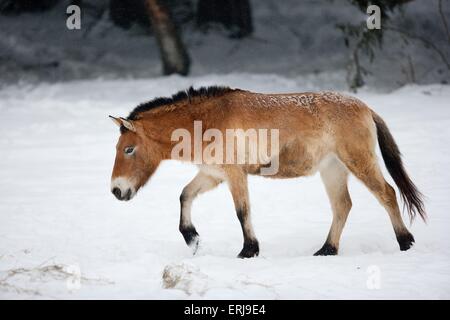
[(411, 196)]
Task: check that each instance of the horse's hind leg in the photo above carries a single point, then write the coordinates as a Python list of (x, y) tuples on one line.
[(334, 176), (200, 184), (363, 164)]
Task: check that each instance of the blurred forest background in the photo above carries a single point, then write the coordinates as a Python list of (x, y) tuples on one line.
[(325, 40)]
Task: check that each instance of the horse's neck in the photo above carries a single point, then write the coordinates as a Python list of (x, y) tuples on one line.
[(161, 126)]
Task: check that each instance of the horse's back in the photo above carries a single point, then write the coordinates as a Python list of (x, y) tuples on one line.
[(312, 125), (306, 113)]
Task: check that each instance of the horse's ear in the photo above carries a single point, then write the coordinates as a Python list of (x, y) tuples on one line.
[(128, 124), (117, 121)]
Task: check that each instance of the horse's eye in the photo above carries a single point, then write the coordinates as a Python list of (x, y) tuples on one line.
[(129, 150)]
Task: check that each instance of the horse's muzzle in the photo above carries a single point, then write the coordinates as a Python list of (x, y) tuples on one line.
[(122, 196)]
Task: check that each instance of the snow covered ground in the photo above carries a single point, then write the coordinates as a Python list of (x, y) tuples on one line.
[(58, 216)]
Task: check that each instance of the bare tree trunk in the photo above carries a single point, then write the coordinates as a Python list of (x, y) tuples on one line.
[(173, 53), (444, 20), (355, 72)]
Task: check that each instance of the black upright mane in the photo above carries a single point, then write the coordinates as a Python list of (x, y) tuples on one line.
[(205, 92)]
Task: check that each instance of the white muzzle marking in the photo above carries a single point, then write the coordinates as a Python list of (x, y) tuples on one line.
[(123, 184)]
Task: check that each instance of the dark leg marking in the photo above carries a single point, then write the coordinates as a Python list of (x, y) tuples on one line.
[(250, 249), (191, 237), (327, 250), (405, 240), (251, 245)]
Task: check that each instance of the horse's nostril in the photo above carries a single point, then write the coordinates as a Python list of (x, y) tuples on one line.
[(117, 193), (128, 195)]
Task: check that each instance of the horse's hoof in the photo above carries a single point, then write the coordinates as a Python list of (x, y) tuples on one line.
[(405, 241), (326, 250), (194, 244), (191, 237), (250, 250)]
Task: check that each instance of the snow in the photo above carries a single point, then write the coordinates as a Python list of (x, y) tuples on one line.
[(63, 235)]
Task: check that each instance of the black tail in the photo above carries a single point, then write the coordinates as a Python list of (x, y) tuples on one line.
[(411, 196)]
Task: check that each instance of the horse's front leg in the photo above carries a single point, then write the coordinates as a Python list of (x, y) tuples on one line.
[(200, 184), (237, 182)]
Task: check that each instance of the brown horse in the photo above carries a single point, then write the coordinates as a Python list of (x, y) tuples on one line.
[(326, 132)]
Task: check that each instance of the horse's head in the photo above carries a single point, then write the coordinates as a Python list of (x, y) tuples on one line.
[(136, 159)]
